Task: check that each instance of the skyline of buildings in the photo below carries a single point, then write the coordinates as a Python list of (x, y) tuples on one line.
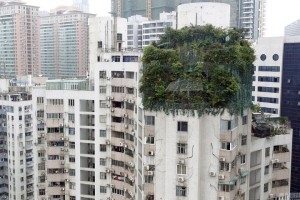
[(91, 138), (246, 14)]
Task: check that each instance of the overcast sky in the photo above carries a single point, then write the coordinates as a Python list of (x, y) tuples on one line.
[(279, 13)]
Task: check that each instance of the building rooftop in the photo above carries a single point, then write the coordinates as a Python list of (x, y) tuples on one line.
[(266, 126)]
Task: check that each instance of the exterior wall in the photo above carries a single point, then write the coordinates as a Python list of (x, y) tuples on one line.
[(268, 47), (204, 13), (16, 147), (65, 45), (267, 176), (83, 5), (290, 100), (19, 56), (292, 29)]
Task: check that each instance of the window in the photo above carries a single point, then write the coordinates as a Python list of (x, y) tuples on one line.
[(150, 140), (40, 100), (72, 159), (116, 58), (99, 44), (267, 100), (181, 169), (243, 159), (102, 118), (102, 74), (71, 117), (72, 145), (255, 158), (228, 145), (182, 126), (116, 89), (150, 120), (268, 79), (267, 152), (72, 186), (119, 36), (148, 179), (225, 166), (268, 89), (244, 140), (102, 89), (102, 189), (266, 187), (103, 104), (102, 133), (72, 172), (243, 179), (255, 177), (263, 57), (181, 191), (71, 131), (71, 102), (102, 175), (102, 161), (42, 192), (103, 147), (181, 148), (72, 198), (245, 120), (275, 57), (267, 169), (269, 68)]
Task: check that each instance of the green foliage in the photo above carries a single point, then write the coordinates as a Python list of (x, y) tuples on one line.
[(203, 69)]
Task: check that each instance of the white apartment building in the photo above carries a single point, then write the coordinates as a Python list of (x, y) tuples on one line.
[(270, 165), (141, 32), (267, 78), (16, 142), (101, 144)]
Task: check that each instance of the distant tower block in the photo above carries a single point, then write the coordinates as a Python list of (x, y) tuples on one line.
[(217, 14)]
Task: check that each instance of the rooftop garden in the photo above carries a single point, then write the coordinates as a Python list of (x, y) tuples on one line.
[(203, 69)]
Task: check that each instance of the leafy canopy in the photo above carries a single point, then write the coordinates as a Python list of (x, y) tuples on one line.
[(198, 68)]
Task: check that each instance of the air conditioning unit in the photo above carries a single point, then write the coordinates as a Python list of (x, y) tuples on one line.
[(108, 142), (181, 162), (222, 159), (221, 176), (62, 138), (62, 149), (62, 189), (121, 144), (124, 100), (221, 198), (20, 125), (133, 133), (125, 190), (147, 168), (107, 105), (180, 179), (150, 173), (107, 170), (62, 162), (112, 110), (43, 173), (131, 164), (66, 150), (66, 171), (125, 145), (125, 126), (108, 78), (151, 153), (61, 125), (43, 159), (66, 145), (112, 98), (67, 180), (112, 185), (108, 98), (42, 134), (125, 115), (212, 174), (239, 192)]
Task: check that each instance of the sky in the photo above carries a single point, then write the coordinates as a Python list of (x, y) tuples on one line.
[(279, 13)]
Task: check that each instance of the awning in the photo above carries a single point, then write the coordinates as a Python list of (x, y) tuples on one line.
[(231, 182), (244, 174)]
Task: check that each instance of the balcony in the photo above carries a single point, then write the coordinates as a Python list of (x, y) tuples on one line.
[(229, 155), (282, 154), (55, 136), (54, 122), (280, 186), (282, 173)]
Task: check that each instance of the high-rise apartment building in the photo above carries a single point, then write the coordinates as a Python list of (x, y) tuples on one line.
[(16, 142), (243, 13), (101, 143), (19, 38), (267, 77), (290, 100), (64, 43), (82, 5), (141, 32), (292, 29)]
